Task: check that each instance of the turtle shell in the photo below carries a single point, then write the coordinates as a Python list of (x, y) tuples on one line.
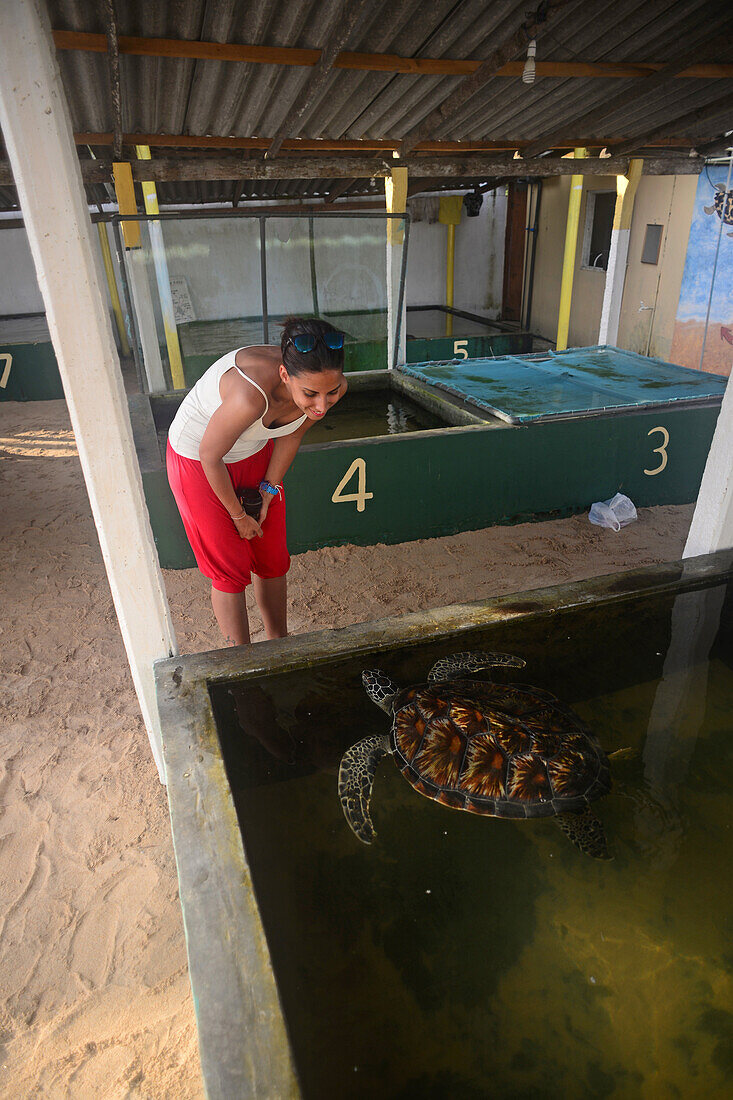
[(724, 206), (503, 750)]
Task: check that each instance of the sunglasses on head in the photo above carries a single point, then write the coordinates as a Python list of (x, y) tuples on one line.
[(305, 342)]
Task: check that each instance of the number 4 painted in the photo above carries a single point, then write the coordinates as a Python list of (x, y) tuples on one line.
[(6, 372), (361, 496)]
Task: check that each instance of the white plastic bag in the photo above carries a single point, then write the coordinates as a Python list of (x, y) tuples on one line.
[(614, 513)]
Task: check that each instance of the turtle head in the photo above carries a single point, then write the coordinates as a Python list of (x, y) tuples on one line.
[(380, 689)]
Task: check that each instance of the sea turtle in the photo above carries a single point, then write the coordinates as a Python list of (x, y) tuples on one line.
[(722, 205), (505, 750)]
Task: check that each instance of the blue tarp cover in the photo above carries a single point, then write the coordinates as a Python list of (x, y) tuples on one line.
[(523, 388)]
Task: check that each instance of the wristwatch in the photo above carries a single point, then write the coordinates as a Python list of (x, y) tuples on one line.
[(266, 487)]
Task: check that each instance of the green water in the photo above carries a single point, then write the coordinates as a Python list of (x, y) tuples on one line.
[(359, 415), (462, 956)]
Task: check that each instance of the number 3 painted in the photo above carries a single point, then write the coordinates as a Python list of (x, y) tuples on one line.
[(361, 496), (661, 450)]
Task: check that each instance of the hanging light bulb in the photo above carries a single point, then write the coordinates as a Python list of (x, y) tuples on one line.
[(529, 66)]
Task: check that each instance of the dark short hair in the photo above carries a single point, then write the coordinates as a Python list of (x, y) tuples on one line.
[(321, 358)]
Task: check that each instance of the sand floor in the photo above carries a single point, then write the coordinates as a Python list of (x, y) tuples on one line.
[(94, 994)]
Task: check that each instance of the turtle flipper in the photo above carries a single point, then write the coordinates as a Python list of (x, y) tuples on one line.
[(448, 667), (586, 833), (356, 777)]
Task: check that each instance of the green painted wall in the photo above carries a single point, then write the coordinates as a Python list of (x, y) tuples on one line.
[(460, 479), (33, 374)]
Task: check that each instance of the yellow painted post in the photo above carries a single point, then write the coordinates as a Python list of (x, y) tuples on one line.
[(568, 263), (450, 215), (112, 286), (126, 204), (395, 198), (161, 271), (625, 194)]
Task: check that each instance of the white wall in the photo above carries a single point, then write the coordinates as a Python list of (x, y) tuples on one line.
[(219, 258), (479, 261), (19, 291)]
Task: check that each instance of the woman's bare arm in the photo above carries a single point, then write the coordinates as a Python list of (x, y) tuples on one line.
[(284, 451), (235, 414)]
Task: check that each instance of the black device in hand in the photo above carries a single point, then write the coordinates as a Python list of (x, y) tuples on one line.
[(251, 501)]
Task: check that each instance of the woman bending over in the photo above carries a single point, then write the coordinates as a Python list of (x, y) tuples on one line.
[(240, 427)]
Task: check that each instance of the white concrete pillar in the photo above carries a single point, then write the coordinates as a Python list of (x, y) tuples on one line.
[(37, 131), (616, 273), (712, 523), (395, 193)]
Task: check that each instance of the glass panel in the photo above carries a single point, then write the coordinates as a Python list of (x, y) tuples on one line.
[(335, 268), (196, 287), (195, 284)]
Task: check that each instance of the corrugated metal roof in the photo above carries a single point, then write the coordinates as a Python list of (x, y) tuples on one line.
[(167, 95)]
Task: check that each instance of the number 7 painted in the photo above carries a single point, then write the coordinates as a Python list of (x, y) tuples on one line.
[(6, 372)]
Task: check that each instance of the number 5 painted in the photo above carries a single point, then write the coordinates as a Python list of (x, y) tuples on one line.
[(361, 496), (660, 450), (6, 372), (460, 349)]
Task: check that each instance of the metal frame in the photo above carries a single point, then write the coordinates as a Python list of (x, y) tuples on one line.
[(195, 215)]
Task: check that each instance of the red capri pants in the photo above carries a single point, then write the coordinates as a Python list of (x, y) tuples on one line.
[(221, 554)]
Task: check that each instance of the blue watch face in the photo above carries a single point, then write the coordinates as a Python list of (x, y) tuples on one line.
[(266, 487)]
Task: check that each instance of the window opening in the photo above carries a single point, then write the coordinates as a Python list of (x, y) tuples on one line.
[(599, 211)]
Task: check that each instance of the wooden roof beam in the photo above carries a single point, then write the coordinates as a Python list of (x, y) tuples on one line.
[(339, 190), (343, 145), (114, 78), (169, 170), (366, 62)]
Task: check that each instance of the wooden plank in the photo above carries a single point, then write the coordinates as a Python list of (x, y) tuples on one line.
[(366, 62), (180, 48), (343, 145), (171, 170)]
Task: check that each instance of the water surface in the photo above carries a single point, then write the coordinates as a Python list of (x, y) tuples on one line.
[(461, 956)]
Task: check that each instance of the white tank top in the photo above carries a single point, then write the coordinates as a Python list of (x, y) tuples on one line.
[(200, 404)]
